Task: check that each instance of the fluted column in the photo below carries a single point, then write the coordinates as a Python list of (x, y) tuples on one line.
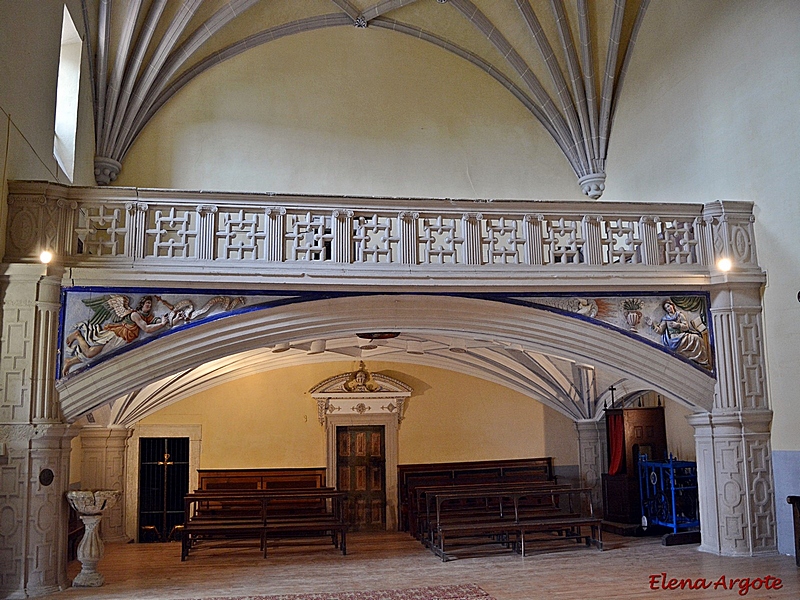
[(409, 237), (471, 223), (44, 405), (275, 231), (533, 239), (342, 226)]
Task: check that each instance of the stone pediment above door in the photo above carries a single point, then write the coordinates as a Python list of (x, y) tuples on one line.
[(360, 392)]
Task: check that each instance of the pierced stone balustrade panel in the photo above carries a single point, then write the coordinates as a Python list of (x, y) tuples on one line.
[(679, 241), (622, 241), (241, 234), (504, 240), (309, 235), (172, 232), (376, 238), (563, 240), (101, 230), (441, 240)]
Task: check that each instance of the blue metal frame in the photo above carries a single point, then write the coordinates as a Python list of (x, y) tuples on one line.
[(669, 495)]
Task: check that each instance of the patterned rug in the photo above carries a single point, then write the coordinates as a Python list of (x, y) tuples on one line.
[(440, 592)]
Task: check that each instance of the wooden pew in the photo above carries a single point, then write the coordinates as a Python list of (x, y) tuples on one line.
[(264, 515), (307, 513), (222, 515), (411, 476), (561, 516), (472, 508)]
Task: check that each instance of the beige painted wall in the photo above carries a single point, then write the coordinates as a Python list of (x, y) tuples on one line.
[(30, 41), (710, 112), (269, 420), (383, 114), (680, 435)]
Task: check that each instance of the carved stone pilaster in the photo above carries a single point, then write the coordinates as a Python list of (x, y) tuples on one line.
[(103, 468), (471, 223), (44, 400), (533, 239), (275, 232), (409, 237), (591, 456), (651, 254), (734, 470), (732, 234), (342, 225), (28, 347), (33, 511), (205, 239), (137, 226), (739, 349), (593, 247)]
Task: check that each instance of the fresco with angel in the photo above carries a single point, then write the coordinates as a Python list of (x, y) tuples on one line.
[(97, 325), (679, 323)]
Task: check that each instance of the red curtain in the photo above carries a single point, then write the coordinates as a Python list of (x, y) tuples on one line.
[(615, 426)]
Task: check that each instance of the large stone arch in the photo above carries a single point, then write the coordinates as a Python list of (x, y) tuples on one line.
[(545, 331)]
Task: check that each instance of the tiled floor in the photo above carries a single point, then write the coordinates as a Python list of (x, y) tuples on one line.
[(395, 560)]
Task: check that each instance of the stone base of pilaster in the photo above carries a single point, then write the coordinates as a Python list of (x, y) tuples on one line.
[(36, 477), (734, 468)]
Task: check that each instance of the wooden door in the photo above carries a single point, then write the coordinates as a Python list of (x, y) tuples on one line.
[(361, 472)]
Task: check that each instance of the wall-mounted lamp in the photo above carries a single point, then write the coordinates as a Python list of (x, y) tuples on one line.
[(724, 264), (281, 347), (46, 256)]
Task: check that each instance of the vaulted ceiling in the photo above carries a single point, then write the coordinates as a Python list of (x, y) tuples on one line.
[(564, 61)]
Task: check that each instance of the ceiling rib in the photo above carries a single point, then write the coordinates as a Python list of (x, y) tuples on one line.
[(578, 121)]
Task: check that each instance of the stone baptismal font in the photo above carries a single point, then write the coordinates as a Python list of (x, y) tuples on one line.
[(90, 506)]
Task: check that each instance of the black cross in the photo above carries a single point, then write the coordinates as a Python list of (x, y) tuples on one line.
[(166, 462)]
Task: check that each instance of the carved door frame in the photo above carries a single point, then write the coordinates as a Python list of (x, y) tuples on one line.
[(389, 422), (193, 432)]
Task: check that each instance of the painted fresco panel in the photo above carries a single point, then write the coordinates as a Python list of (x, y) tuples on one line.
[(98, 323)]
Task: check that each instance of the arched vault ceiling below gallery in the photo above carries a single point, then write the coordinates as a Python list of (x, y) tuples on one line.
[(564, 62)]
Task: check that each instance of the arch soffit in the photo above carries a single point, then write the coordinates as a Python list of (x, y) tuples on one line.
[(545, 331)]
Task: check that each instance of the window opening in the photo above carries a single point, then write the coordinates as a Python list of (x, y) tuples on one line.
[(69, 75)]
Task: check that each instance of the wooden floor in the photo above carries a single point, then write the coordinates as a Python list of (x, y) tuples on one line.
[(395, 560)]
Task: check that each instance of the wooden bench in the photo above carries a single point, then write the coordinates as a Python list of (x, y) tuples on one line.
[(481, 508), (263, 515), (411, 476), (559, 514)]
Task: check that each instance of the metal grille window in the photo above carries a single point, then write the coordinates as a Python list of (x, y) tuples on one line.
[(163, 483)]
